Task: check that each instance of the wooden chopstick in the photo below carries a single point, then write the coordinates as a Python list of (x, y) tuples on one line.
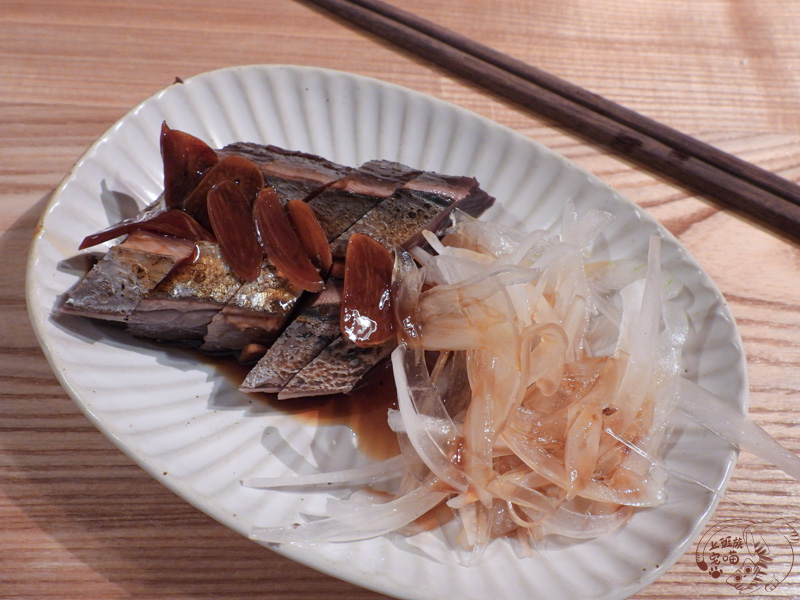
[(746, 188), (681, 142)]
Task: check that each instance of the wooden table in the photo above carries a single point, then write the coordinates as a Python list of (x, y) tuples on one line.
[(78, 519)]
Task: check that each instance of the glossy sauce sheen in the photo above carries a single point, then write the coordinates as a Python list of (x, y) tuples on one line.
[(366, 301), (363, 410), (281, 244)]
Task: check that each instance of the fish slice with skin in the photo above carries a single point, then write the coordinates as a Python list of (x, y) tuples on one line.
[(254, 315), (111, 290), (339, 203), (421, 203), (181, 306), (290, 173), (317, 325), (345, 201), (366, 320), (309, 333)]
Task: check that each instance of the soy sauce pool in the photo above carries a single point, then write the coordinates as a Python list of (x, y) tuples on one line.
[(363, 410)]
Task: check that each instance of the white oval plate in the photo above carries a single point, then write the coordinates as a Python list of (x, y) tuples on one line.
[(188, 425)]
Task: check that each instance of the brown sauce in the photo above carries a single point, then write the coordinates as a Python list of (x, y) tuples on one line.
[(363, 410)]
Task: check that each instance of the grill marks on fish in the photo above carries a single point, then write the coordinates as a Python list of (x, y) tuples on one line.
[(174, 290)]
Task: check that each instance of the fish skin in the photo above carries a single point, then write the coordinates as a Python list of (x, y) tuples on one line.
[(113, 287), (181, 306), (399, 219), (336, 370), (347, 200), (307, 335), (337, 207), (421, 203), (293, 175), (255, 314)]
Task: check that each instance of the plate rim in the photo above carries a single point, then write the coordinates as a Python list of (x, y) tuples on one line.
[(38, 317)]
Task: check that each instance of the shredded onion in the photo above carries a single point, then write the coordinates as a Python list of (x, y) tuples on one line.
[(735, 428), (368, 474), (545, 410)]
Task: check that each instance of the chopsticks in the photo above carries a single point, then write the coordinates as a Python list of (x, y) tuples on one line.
[(747, 189)]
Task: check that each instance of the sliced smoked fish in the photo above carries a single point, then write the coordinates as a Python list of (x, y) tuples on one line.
[(309, 333), (292, 174), (220, 293), (255, 314), (113, 287), (181, 306)]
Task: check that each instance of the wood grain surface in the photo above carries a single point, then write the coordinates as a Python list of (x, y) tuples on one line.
[(79, 520)]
